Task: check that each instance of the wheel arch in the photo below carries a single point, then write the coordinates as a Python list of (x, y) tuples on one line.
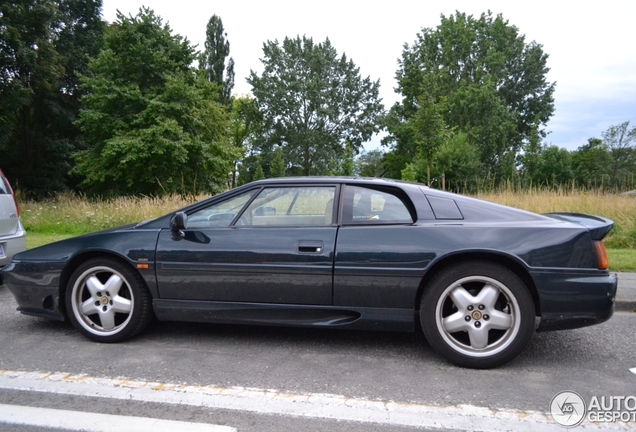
[(77, 261), (507, 261)]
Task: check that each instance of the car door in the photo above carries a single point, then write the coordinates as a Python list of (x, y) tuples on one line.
[(269, 245), (380, 261)]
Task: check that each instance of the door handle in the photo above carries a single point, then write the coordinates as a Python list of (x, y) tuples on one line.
[(310, 246)]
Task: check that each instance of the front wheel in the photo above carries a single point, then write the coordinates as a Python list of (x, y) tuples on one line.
[(107, 300), (477, 314)]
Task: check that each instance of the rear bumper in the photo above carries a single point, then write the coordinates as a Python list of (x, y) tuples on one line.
[(11, 245), (574, 299)]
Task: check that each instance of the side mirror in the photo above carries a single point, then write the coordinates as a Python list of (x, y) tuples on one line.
[(178, 222)]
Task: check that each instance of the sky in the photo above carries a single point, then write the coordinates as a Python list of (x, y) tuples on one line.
[(592, 54)]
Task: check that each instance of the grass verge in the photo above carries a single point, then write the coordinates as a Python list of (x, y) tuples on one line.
[(74, 215), (34, 240), (623, 260)]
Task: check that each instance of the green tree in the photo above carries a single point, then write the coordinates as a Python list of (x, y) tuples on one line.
[(620, 140), (151, 120), (43, 46), (530, 158), (245, 123), (247, 168), (78, 38), (314, 102), (429, 131), (401, 141), (347, 165), (554, 167), (476, 110), (258, 170), (370, 164), (458, 160), (30, 69), (217, 49), (413, 171), (279, 167), (591, 164), (489, 83)]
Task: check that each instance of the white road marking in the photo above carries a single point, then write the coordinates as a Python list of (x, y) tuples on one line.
[(94, 422), (633, 370), (314, 405)]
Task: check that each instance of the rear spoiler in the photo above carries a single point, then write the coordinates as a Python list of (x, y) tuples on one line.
[(599, 227)]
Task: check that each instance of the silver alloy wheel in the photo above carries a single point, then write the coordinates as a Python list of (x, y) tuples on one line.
[(102, 301), (478, 316)]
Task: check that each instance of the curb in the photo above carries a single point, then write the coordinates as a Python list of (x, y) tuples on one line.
[(625, 306), (626, 293)]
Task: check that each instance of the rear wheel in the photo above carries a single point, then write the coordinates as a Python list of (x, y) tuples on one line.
[(477, 314), (108, 301)]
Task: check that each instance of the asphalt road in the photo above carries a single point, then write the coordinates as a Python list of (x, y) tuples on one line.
[(593, 361)]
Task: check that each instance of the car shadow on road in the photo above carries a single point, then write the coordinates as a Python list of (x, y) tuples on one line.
[(301, 337)]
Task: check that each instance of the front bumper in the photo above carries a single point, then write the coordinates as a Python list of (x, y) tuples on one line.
[(37, 301), (574, 299), (38, 293), (11, 245)]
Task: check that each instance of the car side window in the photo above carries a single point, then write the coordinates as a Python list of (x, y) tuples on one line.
[(221, 214), (290, 206), (365, 206)]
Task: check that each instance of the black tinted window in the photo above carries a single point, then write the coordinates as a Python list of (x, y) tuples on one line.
[(444, 208)]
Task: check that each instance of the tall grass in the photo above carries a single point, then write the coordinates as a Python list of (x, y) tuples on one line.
[(74, 215)]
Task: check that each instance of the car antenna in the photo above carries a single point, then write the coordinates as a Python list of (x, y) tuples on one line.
[(385, 170)]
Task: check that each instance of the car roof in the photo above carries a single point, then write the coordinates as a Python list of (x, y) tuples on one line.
[(351, 180)]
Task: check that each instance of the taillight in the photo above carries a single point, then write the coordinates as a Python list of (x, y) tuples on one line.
[(16, 204), (601, 255)]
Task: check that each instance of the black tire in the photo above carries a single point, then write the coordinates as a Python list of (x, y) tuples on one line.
[(108, 301), (477, 314)]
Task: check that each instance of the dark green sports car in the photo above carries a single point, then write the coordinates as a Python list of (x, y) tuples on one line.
[(373, 254)]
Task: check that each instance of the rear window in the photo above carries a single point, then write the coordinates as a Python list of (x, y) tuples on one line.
[(4, 185)]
